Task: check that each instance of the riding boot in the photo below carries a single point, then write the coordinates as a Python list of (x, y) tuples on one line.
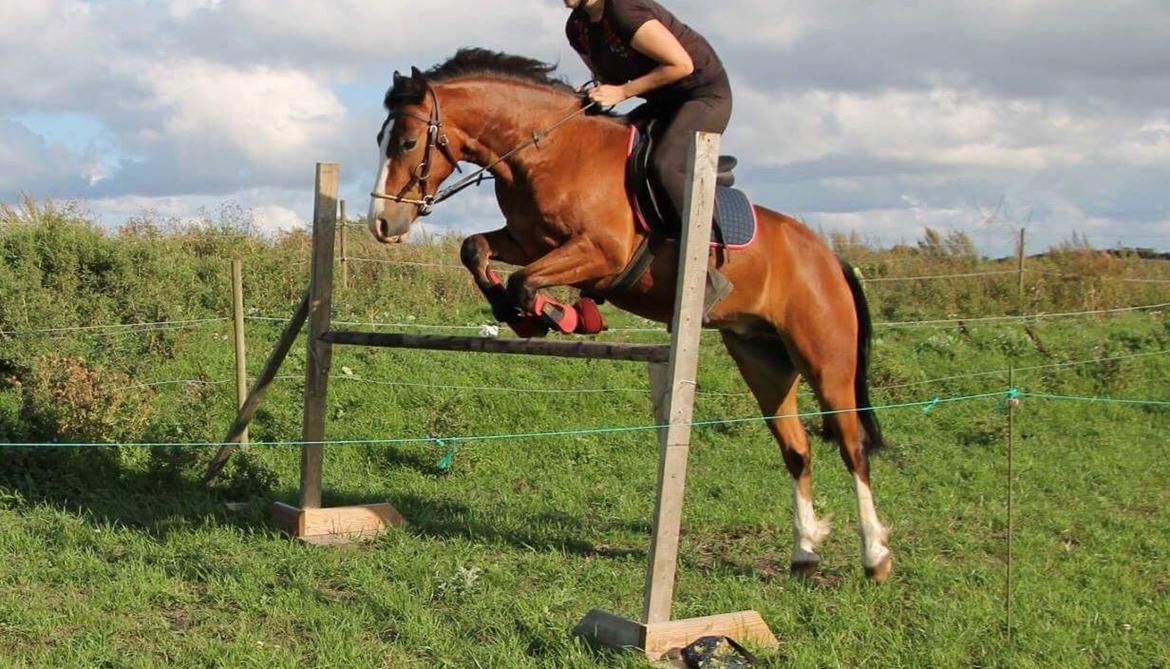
[(718, 287)]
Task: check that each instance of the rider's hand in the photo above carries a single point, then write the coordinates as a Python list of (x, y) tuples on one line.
[(608, 96)]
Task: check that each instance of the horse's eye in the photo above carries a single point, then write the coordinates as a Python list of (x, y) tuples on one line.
[(409, 144)]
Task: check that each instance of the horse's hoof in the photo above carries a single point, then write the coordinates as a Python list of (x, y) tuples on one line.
[(527, 327), (804, 570), (882, 571)]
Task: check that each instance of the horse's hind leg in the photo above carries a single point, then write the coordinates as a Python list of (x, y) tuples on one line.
[(772, 378), (837, 392)]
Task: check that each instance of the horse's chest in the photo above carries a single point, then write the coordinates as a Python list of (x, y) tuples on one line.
[(537, 231)]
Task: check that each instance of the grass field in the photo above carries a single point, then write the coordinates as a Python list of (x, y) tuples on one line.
[(119, 557)]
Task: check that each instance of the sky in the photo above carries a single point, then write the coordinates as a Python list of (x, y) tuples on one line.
[(879, 118)]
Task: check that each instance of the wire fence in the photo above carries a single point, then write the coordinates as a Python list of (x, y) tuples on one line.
[(1011, 319), (118, 328), (928, 405), (491, 329), (349, 376), (486, 328)]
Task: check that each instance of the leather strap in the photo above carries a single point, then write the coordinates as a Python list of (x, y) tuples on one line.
[(638, 266)]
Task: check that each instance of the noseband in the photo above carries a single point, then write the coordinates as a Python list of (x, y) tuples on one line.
[(437, 139)]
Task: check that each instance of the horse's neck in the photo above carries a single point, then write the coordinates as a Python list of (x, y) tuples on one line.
[(497, 117)]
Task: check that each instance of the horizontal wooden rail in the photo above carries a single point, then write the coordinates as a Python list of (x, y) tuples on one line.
[(549, 347)]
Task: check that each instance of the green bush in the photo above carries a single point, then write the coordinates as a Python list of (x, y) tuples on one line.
[(67, 399)]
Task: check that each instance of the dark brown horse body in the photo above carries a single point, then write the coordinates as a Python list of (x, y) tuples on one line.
[(795, 310)]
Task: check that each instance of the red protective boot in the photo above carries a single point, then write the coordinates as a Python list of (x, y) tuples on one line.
[(589, 318), (524, 325), (561, 316)]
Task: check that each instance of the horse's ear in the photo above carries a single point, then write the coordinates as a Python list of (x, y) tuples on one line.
[(417, 74), (398, 78)]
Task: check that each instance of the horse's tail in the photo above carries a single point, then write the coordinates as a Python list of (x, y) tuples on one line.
[(869, 421)]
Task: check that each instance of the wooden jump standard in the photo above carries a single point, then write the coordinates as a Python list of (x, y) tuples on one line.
[(673, 370)]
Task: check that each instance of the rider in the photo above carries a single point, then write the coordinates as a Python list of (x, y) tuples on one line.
[(636, 48)]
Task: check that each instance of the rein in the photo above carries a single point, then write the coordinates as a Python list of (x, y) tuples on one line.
[(437, 139)]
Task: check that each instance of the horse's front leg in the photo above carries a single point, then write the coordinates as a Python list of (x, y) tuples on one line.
[(477, 253), (577, 261)]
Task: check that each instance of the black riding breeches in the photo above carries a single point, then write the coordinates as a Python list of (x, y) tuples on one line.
[(709, 112)]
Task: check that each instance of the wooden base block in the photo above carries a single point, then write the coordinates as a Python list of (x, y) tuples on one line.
[(339, 525), (656, 639)]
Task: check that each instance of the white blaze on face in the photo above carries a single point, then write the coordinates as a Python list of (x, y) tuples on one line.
[(383, 171)]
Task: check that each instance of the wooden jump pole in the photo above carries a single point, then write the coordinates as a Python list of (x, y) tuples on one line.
[(309, 521), (320, 353), (672, 380), (546, 347), (673, 384), (238, 335)]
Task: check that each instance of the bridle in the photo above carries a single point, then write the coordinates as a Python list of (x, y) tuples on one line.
[(437, 140), (421, 174)]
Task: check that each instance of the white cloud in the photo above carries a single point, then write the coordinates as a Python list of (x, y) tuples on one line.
[(183, 9), (262, 116), (845, 110), (937, 127), (275, 218)]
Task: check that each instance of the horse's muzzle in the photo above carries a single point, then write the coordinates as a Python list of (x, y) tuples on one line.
[(390, 222), (384, 232)]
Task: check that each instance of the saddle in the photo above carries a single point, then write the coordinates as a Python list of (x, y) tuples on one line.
[(734, 225)]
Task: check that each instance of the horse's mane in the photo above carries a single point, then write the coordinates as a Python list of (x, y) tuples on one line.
[(475, 62)]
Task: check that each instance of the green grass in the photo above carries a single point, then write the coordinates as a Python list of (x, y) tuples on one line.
[(121, 558)]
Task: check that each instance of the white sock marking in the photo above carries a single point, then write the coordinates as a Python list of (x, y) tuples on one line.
[(807, 531), (873, 533)]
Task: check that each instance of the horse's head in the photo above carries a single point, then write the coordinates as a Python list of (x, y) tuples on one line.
[(415, 156)]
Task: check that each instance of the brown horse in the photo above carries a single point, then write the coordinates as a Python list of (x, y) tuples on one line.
[(795, 311)]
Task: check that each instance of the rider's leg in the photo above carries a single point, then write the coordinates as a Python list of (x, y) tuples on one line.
[(668, 165)]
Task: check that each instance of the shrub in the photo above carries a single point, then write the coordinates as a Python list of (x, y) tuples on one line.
[(67, 399)]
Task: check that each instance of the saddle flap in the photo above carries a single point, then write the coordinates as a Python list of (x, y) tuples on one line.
[(735, 220)]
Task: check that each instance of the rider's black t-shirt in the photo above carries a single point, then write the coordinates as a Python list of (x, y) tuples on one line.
[(607, 46)]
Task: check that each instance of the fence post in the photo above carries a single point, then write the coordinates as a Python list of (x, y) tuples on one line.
[(673, 388), (1011, 442), (675, 440), (344, 228), (238, 332), (320, 353), (259, 390), (1020, 273)]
